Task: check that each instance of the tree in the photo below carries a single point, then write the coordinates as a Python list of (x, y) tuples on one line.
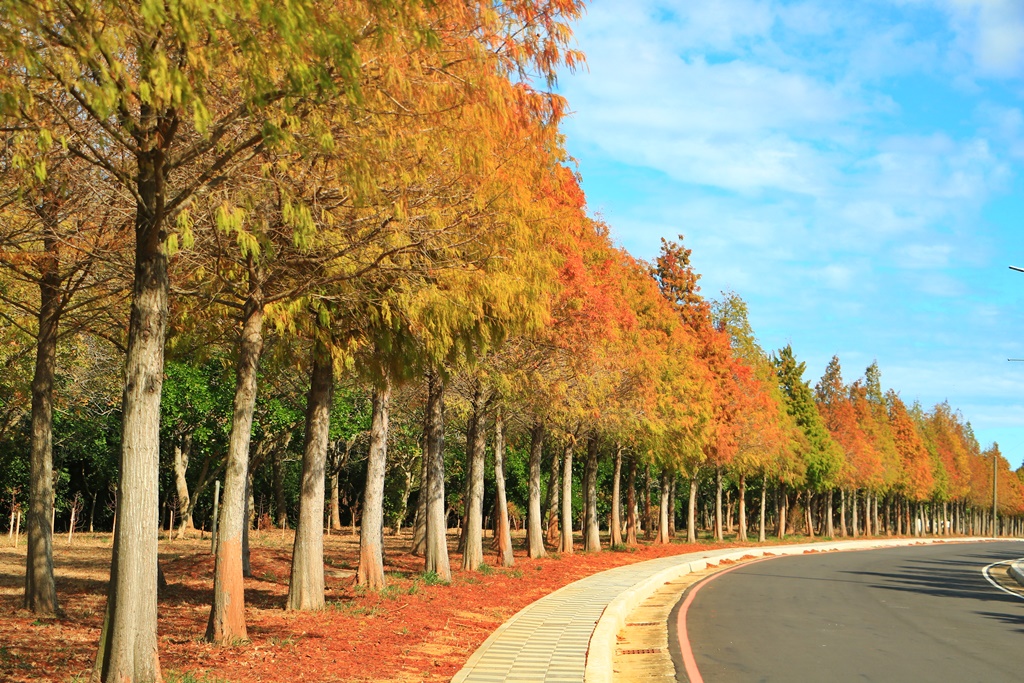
[(164, 100)]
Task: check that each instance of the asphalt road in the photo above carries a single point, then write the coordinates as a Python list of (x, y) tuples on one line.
[(923, 613)]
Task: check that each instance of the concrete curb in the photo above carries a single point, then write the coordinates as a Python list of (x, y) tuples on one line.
[(601, 649), (1017, 571)]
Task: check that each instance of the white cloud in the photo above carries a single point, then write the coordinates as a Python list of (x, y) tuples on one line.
[(992, 32), (987, 35), (810, 156)]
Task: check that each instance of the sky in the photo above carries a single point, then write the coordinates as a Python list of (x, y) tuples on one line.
[(853, 170)]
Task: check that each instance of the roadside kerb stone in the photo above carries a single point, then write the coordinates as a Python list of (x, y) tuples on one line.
[(1017, 571), (569, 634)]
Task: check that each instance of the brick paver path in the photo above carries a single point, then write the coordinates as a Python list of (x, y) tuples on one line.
[(548, 640)]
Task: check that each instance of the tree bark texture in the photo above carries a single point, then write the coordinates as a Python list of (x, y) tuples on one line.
[(436, 547), (691, 512), (306, 586), (631, 503), (648, 521), (808, 519), (534, 526), (591, 526), (128, 639), (277, 475), (853, 507), (504, 533), (783, 504), (335, 502), (371, 528), (182, 455), (666, 485), (554, 538), (718, 503), (842, 513), (473, 552), (40, 588), (247, 526), (616, 521), (761, 529), (567, 497), (742, 499), (419, 523), (227, 615), (829, 525)]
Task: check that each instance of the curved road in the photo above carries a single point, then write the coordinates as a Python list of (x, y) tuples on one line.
[(923, 613)]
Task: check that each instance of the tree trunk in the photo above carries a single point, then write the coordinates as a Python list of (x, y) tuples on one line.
[(504, 533), (436, 548), (809, 498), (875, 513), (616, 521), (419, 524), (867, 513), (371, 528), (666, 484), (182, 454), (473, 552), (335, 501), (842, 513), (631, 503), (718, 503), (672, 507), (227, 614), (277, 474), (567, 497), (591, 525), (648, 521), (554, 487), (306, 586), (742, 501), (761, 527), (856, 514), (128, 640), (534, 528), (40, 589), (691, 512), (783, 498), (247, 526), (830, 531)]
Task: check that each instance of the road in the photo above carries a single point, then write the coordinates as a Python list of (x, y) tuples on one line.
[(923, 613)]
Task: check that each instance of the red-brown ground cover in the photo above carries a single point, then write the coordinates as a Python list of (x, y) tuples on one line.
[(412, 631)]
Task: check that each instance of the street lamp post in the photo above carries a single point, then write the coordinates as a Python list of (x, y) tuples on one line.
[(995, 499)]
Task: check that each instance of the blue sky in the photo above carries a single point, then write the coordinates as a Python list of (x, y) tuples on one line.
[(854, 170)]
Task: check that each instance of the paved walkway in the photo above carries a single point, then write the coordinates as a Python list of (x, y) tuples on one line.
[(548, 640)]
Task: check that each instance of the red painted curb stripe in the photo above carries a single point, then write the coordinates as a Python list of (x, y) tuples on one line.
[(689, 663)]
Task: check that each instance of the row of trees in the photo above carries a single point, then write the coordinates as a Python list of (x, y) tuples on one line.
[(349, 232)]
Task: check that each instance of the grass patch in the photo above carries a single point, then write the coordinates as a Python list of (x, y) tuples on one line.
[(189, 677), (352, 609), (485, 569), (432, 579)]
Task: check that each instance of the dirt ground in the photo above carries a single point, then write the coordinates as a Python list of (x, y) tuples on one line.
[(411, 631)]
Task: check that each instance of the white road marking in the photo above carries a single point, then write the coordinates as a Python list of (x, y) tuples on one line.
[(995, 583)]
